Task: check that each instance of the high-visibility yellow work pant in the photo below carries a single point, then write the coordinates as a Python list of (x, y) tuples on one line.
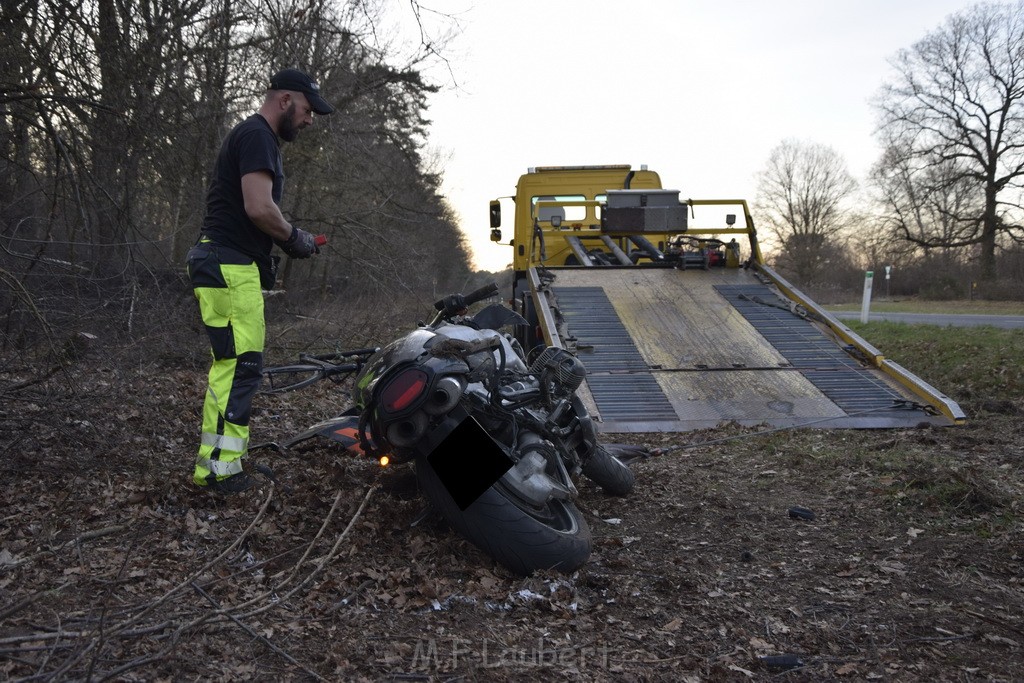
[(227, 285)]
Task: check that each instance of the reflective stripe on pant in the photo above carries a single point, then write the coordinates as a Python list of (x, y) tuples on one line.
[(231, 305)]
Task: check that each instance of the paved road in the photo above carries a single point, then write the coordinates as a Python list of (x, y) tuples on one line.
[(941, 319)]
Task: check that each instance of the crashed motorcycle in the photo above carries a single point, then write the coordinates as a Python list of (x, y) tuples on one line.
[(496, 440)]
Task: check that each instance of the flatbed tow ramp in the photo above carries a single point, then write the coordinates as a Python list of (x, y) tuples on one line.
[(679, 325), (671, 350)]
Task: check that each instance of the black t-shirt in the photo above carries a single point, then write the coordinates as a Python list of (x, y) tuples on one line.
[(250, 146)]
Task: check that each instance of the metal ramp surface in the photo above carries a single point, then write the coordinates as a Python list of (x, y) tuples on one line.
[(670, 350), (617, 376), (829, 367)]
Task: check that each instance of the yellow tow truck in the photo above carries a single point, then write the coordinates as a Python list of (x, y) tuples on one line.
[(679, 321)]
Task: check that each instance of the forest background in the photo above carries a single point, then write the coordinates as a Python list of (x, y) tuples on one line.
[(113, 565), (111, 114)]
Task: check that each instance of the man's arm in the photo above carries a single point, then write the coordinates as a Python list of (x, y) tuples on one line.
[(257, 188)]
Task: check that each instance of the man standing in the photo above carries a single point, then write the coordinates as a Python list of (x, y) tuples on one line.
[(231, 263)]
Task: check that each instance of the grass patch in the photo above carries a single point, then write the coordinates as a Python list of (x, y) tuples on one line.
[(910, 470), (980, 367), (948, 307), (933, 483)]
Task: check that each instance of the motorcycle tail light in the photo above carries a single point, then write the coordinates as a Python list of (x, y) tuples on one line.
[(404, 390)]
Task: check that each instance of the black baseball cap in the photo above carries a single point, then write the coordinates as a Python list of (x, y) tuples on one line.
[(298, 81)]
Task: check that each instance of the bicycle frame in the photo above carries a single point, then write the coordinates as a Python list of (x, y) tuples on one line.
[(313, 368)]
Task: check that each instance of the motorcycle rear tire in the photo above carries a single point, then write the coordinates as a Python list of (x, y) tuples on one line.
[(605, 470), (521, 538)]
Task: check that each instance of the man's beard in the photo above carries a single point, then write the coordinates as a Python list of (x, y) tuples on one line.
[(286, 126)]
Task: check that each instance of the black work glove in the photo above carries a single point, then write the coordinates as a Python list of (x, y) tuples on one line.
[(300, 244)]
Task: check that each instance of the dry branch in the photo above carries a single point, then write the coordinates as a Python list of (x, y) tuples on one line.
[(245, 627), (28, 600), (118, 629)]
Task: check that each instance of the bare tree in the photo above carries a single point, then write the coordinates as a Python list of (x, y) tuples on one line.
[(802, 198), (954, 116), (111, 113), (925, 210)]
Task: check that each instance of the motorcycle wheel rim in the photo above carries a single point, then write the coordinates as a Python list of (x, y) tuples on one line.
[(555, 514)]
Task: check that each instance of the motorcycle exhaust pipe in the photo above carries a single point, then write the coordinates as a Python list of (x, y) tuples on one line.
[(445, 396), (406, 432)]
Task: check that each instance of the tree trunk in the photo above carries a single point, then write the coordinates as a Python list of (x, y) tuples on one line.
[(108, 132), (987, 257)]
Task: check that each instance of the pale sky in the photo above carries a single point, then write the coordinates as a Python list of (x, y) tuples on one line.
[(698, 90)]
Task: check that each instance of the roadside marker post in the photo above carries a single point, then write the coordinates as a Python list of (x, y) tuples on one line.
[(865, 305)]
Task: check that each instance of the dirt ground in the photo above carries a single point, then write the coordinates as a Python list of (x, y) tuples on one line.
[(112, 566)]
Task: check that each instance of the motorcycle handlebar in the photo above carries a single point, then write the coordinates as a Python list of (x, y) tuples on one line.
[(481, 294), (458, 302)]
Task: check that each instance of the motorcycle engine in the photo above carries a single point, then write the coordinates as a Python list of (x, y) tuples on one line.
[(560, 369)]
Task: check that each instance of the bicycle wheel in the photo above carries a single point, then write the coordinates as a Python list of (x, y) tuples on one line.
[(280, 379)]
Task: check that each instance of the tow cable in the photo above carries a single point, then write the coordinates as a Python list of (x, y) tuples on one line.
[(793, 307)]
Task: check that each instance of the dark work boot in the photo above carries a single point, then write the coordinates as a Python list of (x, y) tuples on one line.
[(236, 483)]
